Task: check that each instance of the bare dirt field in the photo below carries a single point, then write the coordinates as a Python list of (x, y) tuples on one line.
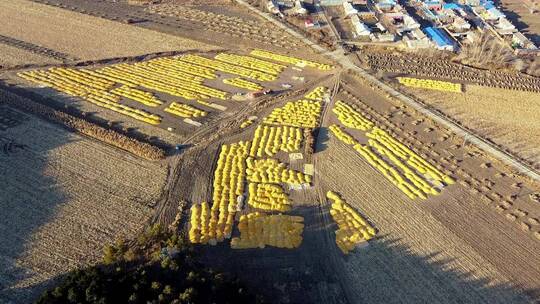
[(12, 56), (82, 36), (63, 198), (508, 118)]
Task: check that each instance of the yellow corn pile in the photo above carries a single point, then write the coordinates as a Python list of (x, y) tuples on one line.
[(342, 135), (268, 140), (227, 68), (258, 230), (274, 172), (430, 84), (350, 117), (406, 154), (160, 78), (353, 227), (229, 178), (247, 123), (146, 98), (301, 113), (318, 93), (242, 83), (411, 174), (199, 232), (88, 87), (268, 197), (252, 63), (388, 171), (184, 110), (290, 60)]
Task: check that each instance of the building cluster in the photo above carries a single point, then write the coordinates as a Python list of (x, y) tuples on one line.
[(416, 24)]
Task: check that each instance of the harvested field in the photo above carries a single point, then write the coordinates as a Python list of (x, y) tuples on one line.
[(82, 36), (416, 237), (13, 56), (508, 118), (254, 30), (63, 198)]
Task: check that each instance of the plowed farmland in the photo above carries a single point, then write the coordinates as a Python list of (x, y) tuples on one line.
[(63, 198), (82, 36)]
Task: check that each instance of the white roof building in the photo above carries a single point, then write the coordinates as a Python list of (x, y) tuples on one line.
[(359, 28), (349, 9)]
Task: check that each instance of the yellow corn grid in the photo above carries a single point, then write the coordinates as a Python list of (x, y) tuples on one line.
[(290, 60), (252, 63), (228, 186), (430, 84), (342, 135), (415, 177), (302, 113), (268, 197), (244, 84), (184, 110), (199, 232), (86, 87), (269, 140), (146, 98), (227, 68), (354, 229), (318, 93), (258, 230), (274, 172), (406, 154), (350, 117), (246, 123)]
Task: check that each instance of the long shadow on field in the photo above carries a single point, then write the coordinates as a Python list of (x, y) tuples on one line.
[(386, 271), (29, 197)]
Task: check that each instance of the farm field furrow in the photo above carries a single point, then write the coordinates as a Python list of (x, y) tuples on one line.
[(409, 227), (13, 56), (65, 197), (78, 35)]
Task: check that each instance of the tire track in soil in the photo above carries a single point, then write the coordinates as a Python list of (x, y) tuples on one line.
[(36, 49)]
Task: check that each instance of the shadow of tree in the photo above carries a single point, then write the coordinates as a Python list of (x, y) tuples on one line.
[(28, 197), (386, 271)]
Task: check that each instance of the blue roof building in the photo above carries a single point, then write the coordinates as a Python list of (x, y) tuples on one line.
[(451, 6), (440, 38)]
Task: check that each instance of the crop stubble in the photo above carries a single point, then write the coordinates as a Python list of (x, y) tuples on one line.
[(426, 233), (83, 36), (66, 196), (509, 118)]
